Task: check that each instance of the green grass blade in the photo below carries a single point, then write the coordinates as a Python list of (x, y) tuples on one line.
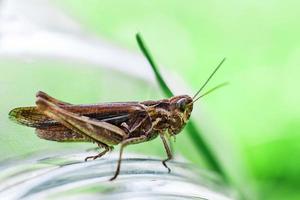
[(204, 149), (194, 133), (159, 78)]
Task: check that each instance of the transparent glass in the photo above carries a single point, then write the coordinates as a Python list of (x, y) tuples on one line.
[(67, 176)]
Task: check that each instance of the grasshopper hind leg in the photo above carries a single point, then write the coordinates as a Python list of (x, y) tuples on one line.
[(51, 99), (102, 153)]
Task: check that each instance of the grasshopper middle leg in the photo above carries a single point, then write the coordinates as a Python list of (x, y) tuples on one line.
[(124, 144)]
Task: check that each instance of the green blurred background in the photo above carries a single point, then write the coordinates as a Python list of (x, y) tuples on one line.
[(257, 115)]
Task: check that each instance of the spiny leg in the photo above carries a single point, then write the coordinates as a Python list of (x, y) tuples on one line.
[(168, 151), (124, 144), (106, 149)]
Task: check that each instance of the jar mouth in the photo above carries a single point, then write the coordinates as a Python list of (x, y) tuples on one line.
[(67, 175)]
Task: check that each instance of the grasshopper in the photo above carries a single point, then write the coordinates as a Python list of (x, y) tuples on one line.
[(110, 124)]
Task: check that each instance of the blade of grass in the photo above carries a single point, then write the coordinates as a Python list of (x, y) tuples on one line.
[(159, 78), (194, 133)]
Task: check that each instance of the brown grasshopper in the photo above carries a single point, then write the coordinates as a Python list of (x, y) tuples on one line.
[(109, 124)]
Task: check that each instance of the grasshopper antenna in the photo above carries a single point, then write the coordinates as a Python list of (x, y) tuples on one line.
[(211, 75), (211, 90), (147, 54)]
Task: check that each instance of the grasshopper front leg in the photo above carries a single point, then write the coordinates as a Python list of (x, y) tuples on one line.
[(168, 151)]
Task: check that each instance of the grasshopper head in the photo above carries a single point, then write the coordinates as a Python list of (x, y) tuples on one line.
[(182, 107)]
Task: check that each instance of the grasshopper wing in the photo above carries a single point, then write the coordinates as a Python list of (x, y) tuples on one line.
[(30, 116)]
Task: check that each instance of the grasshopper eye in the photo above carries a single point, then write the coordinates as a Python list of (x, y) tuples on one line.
[(181, 104)]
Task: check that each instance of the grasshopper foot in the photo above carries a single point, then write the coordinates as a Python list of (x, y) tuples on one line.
[(89, 157), (113, 178), (165, 165), (98, 155), (94, 157)]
